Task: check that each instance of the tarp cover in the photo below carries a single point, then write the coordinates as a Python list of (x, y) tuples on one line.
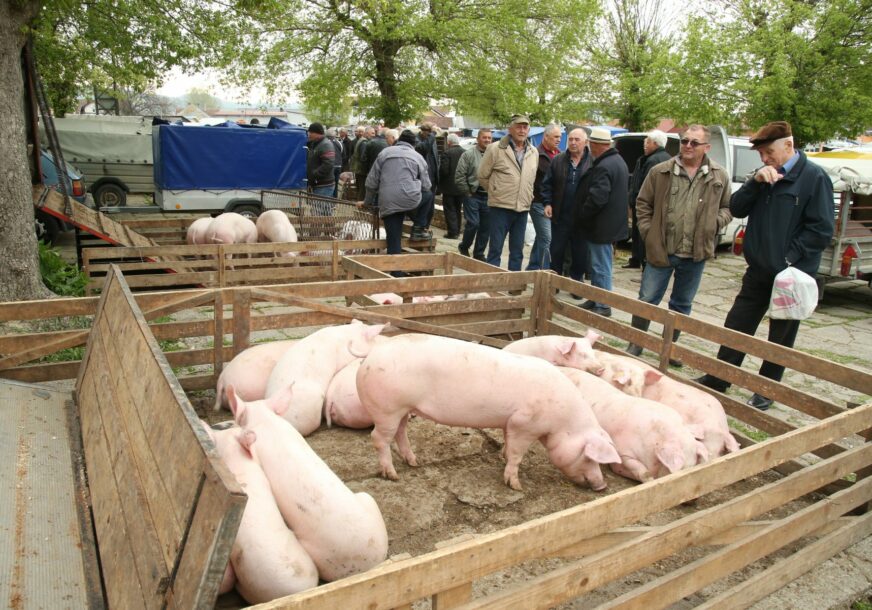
[(103, 139), (220, 157)]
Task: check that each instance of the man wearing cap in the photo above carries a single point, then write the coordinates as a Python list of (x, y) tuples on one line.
[(789, 206), (475, 210), (682, 205), (507, 172), (600, 211), (452, 195), (654, 148), (319, 166)]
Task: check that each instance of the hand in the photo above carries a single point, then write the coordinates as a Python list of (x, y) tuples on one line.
[(768, 175), (548, 211)]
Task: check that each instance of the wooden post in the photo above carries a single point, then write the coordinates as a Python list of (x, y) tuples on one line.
[(241, 320), (218, 335)]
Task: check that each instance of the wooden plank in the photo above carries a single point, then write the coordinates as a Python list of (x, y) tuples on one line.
[(393, 585), (452, 598), (48, 308), (241, 321), (670, 588), (750, 590)]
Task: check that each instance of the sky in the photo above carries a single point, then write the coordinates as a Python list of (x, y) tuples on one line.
[(178, 84)]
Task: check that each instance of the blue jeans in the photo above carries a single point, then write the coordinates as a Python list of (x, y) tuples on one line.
[(477, 216), (688, 275), (323, 208), (540, 253), (507, 222), (600, 266)]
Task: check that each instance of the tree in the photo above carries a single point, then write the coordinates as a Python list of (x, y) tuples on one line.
[(202, 99)]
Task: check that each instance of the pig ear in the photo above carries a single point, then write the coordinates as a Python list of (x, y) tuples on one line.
[(592, 336), (622, 378), (237, 407), (376, 329), (652, 377), (670, 455), (702, 454), (731, 443), (566, 347), (696, 430), (601, 451), (279, 403), (246, 438)]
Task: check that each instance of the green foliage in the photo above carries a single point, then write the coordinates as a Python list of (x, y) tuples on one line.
[(202, 99), (59, 276), (862, 604), (70, 354), (752, 433)]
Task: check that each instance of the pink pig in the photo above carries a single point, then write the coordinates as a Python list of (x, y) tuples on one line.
[(197, 231), (231, 228), (626, 374), (267, 559), (249, 371), (342, 405), (457, 383), (342, 531), (275, 226), (312, 363), (651, 438), (574, 352)]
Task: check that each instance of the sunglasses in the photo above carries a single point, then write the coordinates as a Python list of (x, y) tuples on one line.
[(692, 143)]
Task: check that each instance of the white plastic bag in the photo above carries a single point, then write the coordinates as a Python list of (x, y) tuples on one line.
[(794, 295)]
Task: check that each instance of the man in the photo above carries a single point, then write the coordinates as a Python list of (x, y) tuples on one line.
[(364, 135), (601, 211), (540, 253), (337, 160), (374, 146), (426, 147), (475, 210), (452, 195), (507, 173), (347, 148), (655, 152), (397, 179), (682, 206), (789, 206), (558, 194), (319, 166)]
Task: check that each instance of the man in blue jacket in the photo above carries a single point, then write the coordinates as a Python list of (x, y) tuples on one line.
[(790, 211)]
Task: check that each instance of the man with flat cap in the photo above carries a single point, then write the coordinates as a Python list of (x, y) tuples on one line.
[(319, 168), (790, 211)]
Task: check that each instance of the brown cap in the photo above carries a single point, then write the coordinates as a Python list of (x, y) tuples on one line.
[(520, 119), (769, 133)]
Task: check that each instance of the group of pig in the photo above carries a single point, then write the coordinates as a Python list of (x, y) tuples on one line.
[(232, 228), (585, 406)]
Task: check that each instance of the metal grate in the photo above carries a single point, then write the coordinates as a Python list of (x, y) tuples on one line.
[(318, 218)]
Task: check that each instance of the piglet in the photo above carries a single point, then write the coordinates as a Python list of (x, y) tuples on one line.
[(274, 226), (197, 231), (574, 352), (650, 438), (312, 363), (231, 228), (267, 559), (464, 384), (625, 374), (249, 371), (342, 405), (342, 531)]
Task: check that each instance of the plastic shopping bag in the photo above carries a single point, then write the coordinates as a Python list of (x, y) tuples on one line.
[(794, 295)]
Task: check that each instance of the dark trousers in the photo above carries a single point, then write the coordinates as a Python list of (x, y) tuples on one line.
[(393, 223), (563, 241), (637, 247), (477, 229), (452, 206), (745, 315)]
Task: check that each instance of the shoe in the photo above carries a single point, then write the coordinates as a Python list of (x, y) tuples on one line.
[(634, 350), (481, 258), (588, 304), (576, 297), (712, 383), (452, 236), (631, 265), (420, 234), (602, 310), (462, 250), (676, 363), (759, 402)]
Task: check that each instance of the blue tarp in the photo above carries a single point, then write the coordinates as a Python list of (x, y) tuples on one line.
[(221, 157)]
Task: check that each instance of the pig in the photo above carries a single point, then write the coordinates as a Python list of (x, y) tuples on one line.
[(231, 228), (359, 230), (702, 413), (197, 232), (561, 351), (650, 437), (624, 373), (267, 560), (342, 531), (249, 371), (275, 226), (342, 405), (458, 383), (386, 298), (312, 363)]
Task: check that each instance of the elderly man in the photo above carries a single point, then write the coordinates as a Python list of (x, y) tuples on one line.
[(347, 148), (319, 167), (452, 195), (601, 211), (682, 206), (540, 253), (655, 152), (475, 210), (558, 194), (337, 160), (507, 172), (789, 206), (363, 136)]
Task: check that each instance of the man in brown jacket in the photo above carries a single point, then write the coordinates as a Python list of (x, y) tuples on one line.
[(683, 204)]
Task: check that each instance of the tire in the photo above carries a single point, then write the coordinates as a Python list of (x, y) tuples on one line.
[(249, 210), (47, 228), (110, 196)]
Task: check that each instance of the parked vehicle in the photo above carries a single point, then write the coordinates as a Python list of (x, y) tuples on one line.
[(49, 227)]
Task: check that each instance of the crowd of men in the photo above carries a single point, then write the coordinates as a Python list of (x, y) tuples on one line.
[(578, 201)]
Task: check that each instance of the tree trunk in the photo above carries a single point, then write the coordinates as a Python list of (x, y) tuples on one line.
[(19, 272)]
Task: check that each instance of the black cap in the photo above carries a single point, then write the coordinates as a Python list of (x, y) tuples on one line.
[(316, 128), (408, 137)]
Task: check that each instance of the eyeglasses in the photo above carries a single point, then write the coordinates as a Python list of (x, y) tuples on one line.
[(692, 143)]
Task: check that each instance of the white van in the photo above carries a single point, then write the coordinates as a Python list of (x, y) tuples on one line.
[(732, 153)]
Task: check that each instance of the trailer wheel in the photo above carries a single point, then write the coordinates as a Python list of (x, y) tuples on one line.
[(47, 229), (110, 196), (249, 210)]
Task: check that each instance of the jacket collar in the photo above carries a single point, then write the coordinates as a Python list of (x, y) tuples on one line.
[(610, 152)]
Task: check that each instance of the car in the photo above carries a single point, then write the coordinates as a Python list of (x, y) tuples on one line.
[(48, 227)]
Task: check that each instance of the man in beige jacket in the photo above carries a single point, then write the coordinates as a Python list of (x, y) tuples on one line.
[(507, 172)]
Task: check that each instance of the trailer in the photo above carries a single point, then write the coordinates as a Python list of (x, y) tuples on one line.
[(775, 509)]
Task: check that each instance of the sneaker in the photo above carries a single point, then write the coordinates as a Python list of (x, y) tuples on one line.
[(759, 402), (576, 297), (420, 234), (634, 350), (602, 310), (462, 250), (588, 304)]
